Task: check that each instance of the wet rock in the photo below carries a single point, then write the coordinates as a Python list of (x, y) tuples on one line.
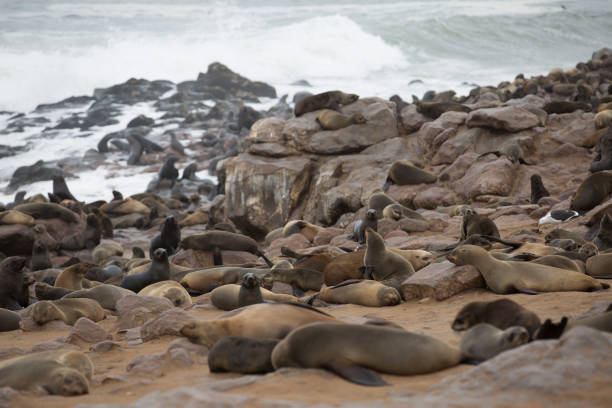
[(220, 76), (441, 281), (86, 330), (133, 91), (509, 118), (100, 116), (71, 102), (168, 323)]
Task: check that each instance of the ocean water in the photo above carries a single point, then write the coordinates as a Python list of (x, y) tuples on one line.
[(53, 49)]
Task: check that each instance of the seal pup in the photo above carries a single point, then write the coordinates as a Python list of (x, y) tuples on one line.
[(260, 321), (403, 172), (332, 120), (67, 310), (225, 297), (250, 292), (383, 265), (207, 279), (168, 171), (13, 285), (69, 358), (398, 211), (472, 224), (435, 109), (329, 100), (562, 262), (485, 341), (72, 277), (512, 276), (594, 190), (168, 238), (44, 291), (511, 150), (354, 351), (502, 313), (360, 292), (370, 220), (158, 271), (565, 244), (559, 233), (171, 290), (9, 320), (223, 240), (87, 238), (41, 234), (242, 355), (106, 295), (538, 190), (53, 377)]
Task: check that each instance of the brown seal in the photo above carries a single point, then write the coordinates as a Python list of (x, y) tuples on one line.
[(511, 150), (89, 237), (241, 355), (299, 279), (55, 378), (599, 266), (361, 292), (105, 250), (502, 313), (378, 201), (370, 220), (44, 291), (593, 191), (13, 285), (558, 261), (589, 249), (225, 297), (11, 217), (223, 240), (332, 120), (538, 190), (168, 237), (476, 224), (403, 172), (250, 290), (169, 289), (158, 271), (353, 351), (329, 100), (601, 321), (536, 249), (559, 233), (603, 119), (69, 358), (41, 234), (72, 277), (510, 276), (40, 257), (48, 210), (67, 310), (384, 265), (9, 320), (484, 341), (205, 280), (316, 261), (260, 321), (603, 240), (105, 223), (435, 109), (305, 228), (565, 244), (123, 207), (106, 295)]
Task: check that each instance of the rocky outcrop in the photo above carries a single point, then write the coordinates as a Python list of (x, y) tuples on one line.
[(508, 118), (441, 281)]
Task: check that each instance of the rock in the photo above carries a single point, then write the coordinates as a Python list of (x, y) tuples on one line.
[(509, 118), (412, 120), (295, 242), (135, 310), (86, 330), (146, 364), (193, 258), (168, 323), (220, 76), (71, 102), (495, 178), (576, 128), (261, 193), (104, 346), (412, 225), (433, 197), (441, 281), (267, 130), (58, 344), (141, 120), (28, 324), (16, 239), (323, 237), (132, 91)]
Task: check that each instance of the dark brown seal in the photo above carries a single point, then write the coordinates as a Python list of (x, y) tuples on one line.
[(593, 191), (242, 355), (168, 238), (370, 220), (384, 265), (332, 120), (48, 210), (13, 285), (223, 240), (537, 189), (158, 271), (329, 100), (476, 224), (403, 172)]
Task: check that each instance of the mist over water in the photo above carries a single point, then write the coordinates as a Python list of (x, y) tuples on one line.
[(53, 49)]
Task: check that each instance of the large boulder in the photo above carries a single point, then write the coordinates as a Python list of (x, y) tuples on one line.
[(221, 77), (495, 177), (509, 118), (441, 281)]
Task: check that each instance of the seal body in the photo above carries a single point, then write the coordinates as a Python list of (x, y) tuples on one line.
[(168, 238), (386, 266), (485, 341), (332, 120), (369, 221), (67, 310), (208, 279), (599, 265), (241, 355), (405, 173), (54, 377), (9, 320), (158, 271), (476, 224), (72, 277), (361, 292), (218, 240), (603, 240), (329, 100), (594, 190), (352, 351), (538, 190), (13, 286), (171, 290), (225, 297), (106, 295), (250, 292)]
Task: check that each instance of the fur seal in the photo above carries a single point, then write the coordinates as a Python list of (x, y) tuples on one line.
[(13, 285), (403, 172), (87, 238), (565, 107), (511, 276), (260, 321), (564, 244), (603, 119), (168, 171), (603, 147), (225, 297), (603, 240), (316, 261), (599, 266), (559, 233), (124, 207), (106, 295), (250, 292), (353, 351), (48, 210), (511, 150), (601, 321), (485, 341), (370, 220), (502, 313), (106, 224), (69, 358), (537, 189), (60, 189), (106, 250), (168, 238), (473, 224), (435, 109), (72, 277), (55, 378), (11, 217), (332, 120), (361, 292), (562, 262), (588, 249), (205, 280), (383, 265), (40, 257), (378, 201), (44, 291), (329, 100), (67, 310), (223, 240), (41, 234), (305, 228), (169, 289), (159, 270), (241, 355), (594, 190), (398, 211), (299, 279), (9, 320)]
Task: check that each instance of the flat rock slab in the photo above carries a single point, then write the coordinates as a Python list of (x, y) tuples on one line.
[(509, 118), (441, 281)]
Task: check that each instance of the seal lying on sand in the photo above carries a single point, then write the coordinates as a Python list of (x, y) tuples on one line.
[(485, 341)]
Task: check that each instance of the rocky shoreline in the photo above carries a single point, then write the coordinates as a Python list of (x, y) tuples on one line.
[(479, 151)]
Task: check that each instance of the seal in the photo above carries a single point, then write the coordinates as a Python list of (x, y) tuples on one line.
[(435, 109), (601, 321), (205, 280), (538, 190), (603, 147), (565, 244), (332, 120), (44, 291), (588, 249), (403, 172), (603, 240), (299, 279), (511, 276), (361, 292), (370, 220), (301, 227), (562, 262), (168, 238), (598, 266), (559, 233), (40, 257), (223, 240), (47, 211), (485, 341), (603, 119), (378, 201), (13, 286), (169, 289), (106, 250), (316, 261), (159, 270), (250, 292), (594, 190), (476, 224), (69, 358), (383, 265), (9, 320), (87, 238), (353, 351), (550, 330), (12, 217), (502, 313), (106, 224), (106, 295), (41, 234), (241, 355), (398, 211), (260, 321), (55, 378), (60, 189), (67, 310), (168, 171), (536, 249), (511, 150), (72, 277), (225, 297), (124, 207), (329, 100)]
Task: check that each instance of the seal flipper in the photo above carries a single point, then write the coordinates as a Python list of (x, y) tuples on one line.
[(217, 257), (387, 184), (527, 291), (355, 373), (367, 271), (297, 291), (260, 253)]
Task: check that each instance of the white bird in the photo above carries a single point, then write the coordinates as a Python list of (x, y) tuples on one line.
[(557, 216)]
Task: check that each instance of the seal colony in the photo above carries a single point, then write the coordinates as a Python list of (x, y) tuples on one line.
[(289, 283)]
